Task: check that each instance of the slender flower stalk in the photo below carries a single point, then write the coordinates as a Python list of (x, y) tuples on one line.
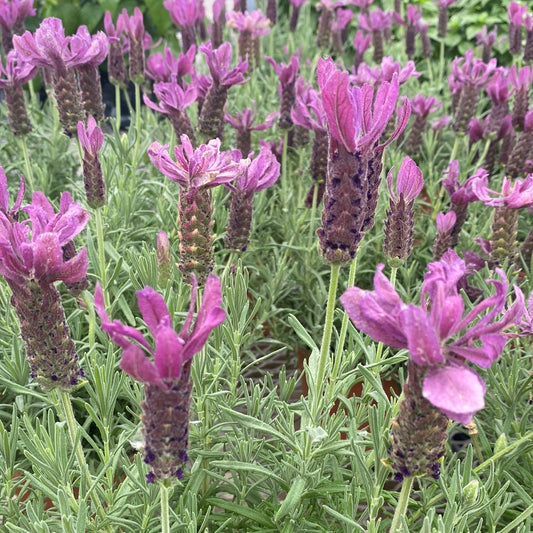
[(165, 370), (196, 172)]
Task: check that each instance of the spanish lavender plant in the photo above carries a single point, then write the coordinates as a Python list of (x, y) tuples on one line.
[(296, 5), (49, 48), (91, 140), (338, 27), (376, 22), (472, 75), (211, 119), (399, 224), (442, 25), (161, 66), (498, 92), (91, 50), (421, 107), (354, 157), (443, 241), (385, 72), (12, 15), (513, 196), (441, 339), (31, 261), (134, 30), (521, 80), (516, 13), (166, 374), (516, 166), (287, 78), (173, 102), (360, 42), (487, 40), (219, 20), (308, 112), (262, 172), (243, 122), (15, 74), (185, 13), (460, 196), (197, 172), (528, 47), (116, 68), (412, 24), (272, 11), (251, 26), (323, 34)]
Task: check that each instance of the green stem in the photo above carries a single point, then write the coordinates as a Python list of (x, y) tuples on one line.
[(137, 124), (29, 171), (165, 516), (344, 329), (118, 110), (484, 153), (284, 184), (312, 216), (326, 338), (455, 147), (230, 261), (101, 250), (66, 412), (401, 507)]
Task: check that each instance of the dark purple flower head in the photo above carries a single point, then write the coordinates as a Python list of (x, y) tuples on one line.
[(255, 22), (438, 333), (33, 249), (409, 182), (91, 49), (343, 18), (91, 137), (245, 120), (161, 66), (171, 97), (219, 63), (262, 172), (184, 13), (133, 25), (498, 89), (522, 79), (514, 195), (287, 73), (113, 33), (204, 167), (356, 117), (13, 12), (413, 16), (16, 72), (171, 349)]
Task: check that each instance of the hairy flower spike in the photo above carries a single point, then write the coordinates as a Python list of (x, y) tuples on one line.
[(12, 15), (166, 374), (91, 140), (399, 223), (32, 258)]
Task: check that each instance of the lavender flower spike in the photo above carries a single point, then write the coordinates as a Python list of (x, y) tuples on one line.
[(166, 374), (437, 334), (32, 258), (399, 223)]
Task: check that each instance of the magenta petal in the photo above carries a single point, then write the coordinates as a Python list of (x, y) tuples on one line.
[(47, 255), (168, 353), (423, 343), (153, 309), (457, 391), (135, 363), (491, 348), (371, 318)]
